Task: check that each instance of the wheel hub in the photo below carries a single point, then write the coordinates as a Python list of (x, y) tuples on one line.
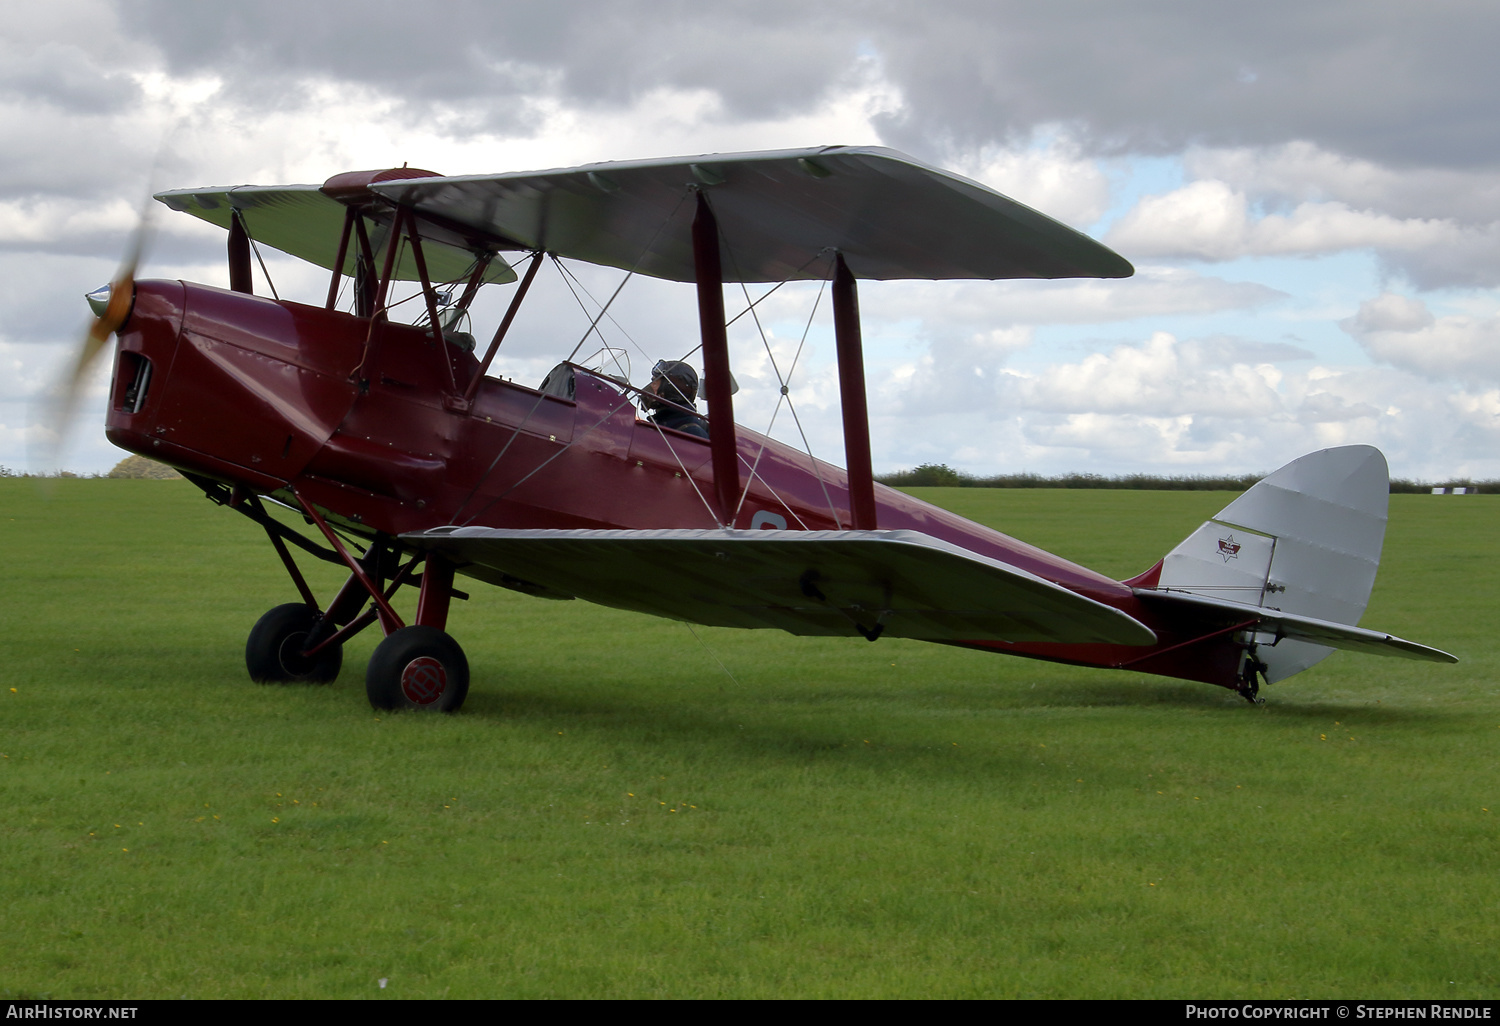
[(423, 680), (291, 655)]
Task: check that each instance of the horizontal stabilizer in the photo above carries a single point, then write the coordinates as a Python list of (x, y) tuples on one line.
[(903, 584), (1265, 621)]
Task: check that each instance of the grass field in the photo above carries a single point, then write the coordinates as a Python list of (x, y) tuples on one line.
[(615, 815)]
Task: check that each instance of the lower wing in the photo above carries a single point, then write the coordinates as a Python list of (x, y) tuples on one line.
[(904, 584)]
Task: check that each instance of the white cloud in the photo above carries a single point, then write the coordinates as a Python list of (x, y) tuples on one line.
[(1436, 226), (41, 223), (1403, 332), (1300, 172), (955, 373), (1162, 377), (968, 306), (1051, 176), (1207, 220), (1180, 406), (245, 98), (1210, 220)]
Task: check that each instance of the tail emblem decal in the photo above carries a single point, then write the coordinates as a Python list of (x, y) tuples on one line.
[(1229, 548)]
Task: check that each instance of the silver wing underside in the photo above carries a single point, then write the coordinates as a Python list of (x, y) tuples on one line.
[(901, 584), (782, 214), (306, 223)]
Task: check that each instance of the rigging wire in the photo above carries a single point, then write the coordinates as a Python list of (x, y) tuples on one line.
[(785, 381), (730, 323), (712, 653), (570, 279), (777, 496), (786, 395), (712, 514), (577, 437), (258, 258), (593, 326), (541, 396), (792, 408)]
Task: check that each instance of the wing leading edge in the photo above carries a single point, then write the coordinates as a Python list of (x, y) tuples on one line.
[(838, 583), (781, 215)]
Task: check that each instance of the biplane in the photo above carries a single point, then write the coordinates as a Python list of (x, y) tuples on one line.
[(412, 467)]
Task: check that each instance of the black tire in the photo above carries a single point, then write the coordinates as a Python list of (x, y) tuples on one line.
[(272, 652), (417, 668)]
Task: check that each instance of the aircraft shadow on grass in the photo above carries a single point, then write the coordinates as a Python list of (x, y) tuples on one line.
[(703, 719)]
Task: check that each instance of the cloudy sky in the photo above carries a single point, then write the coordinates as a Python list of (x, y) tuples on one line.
[(1308, 191)]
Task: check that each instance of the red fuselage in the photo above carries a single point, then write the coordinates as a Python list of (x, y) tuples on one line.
[(260, 393)]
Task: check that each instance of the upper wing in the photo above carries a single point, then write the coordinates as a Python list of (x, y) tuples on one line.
[(781, 215), (306, 222), (1264, 620), (903, 583)]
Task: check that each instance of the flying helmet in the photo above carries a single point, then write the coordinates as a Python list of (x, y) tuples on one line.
[(679, 382)]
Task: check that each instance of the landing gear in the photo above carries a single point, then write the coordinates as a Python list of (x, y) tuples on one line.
[(417, 668), (273, 652), (1248, 684)]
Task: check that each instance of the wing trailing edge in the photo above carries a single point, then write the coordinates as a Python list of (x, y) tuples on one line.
[(901, 584)]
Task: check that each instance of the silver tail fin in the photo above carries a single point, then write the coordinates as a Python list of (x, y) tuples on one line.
[(1306, 541)]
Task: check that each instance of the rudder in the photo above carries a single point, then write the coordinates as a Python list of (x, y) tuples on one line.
[(1305, 540)]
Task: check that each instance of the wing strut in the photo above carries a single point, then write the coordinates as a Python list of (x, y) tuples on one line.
[(500, 332), (709, 274), (852, 398), (239, 256)]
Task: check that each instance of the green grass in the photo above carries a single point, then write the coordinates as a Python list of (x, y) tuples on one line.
[(614, 815)]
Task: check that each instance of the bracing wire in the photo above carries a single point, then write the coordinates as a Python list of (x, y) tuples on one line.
[(730, 323), (258, 258), (570, 279), (592, 328), (712, 653), (792, 408), (784, 381)]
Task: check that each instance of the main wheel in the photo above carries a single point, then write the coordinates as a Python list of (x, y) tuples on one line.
[(417, 668), (273, 652)]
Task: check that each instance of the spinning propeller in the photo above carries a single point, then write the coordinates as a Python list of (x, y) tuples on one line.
[(111, 305)]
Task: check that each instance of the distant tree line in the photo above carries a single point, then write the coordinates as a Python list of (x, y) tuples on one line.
[(930, 475), (133, 467), (941, 475)]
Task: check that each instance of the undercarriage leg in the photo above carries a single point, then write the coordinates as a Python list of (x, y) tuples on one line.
[(421, 667), (1252, 670), (437, 590)]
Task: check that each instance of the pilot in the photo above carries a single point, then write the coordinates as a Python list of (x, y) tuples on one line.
[(671, 397)]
